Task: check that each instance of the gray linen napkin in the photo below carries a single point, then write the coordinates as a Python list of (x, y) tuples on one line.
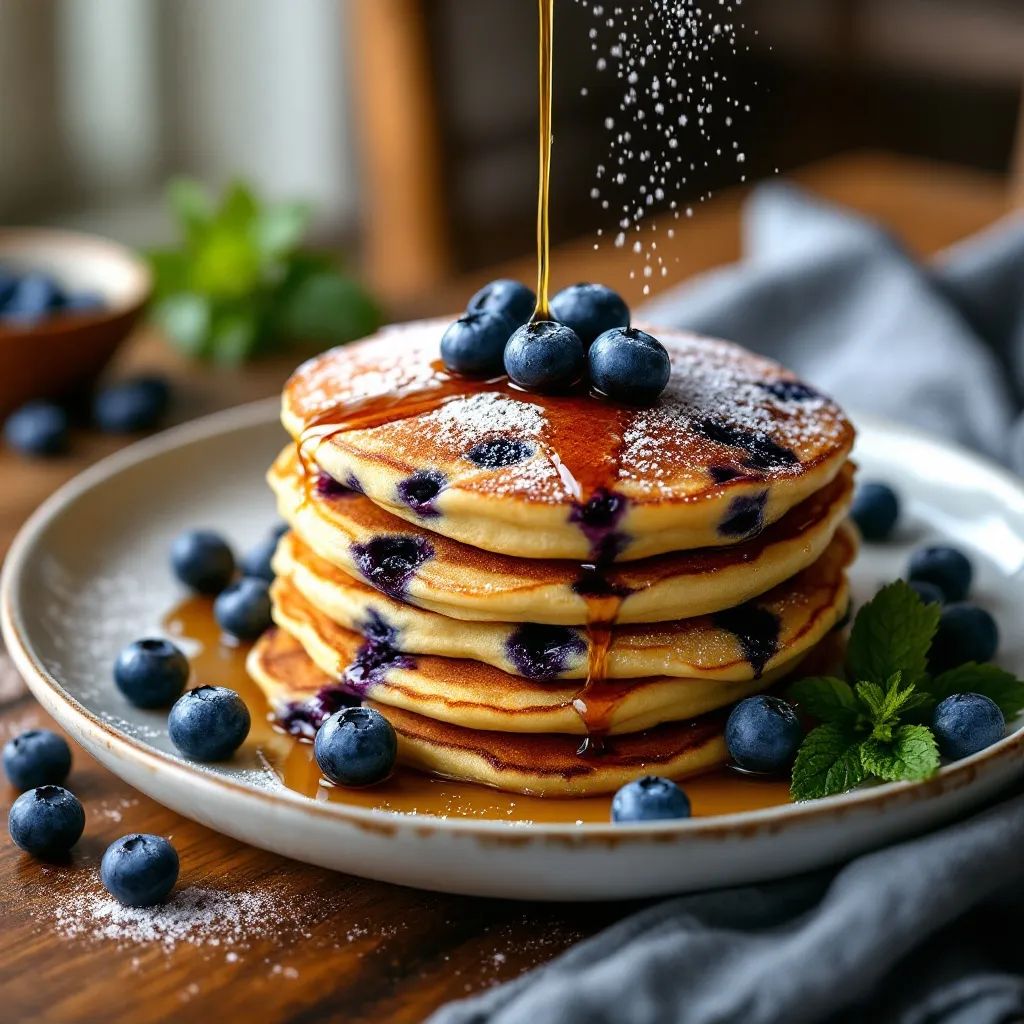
[(924, 932)]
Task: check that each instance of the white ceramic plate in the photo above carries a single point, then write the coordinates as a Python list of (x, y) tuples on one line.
[(88, 573)]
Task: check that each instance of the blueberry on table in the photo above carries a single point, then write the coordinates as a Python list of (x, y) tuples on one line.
[(965, 633), (256, 561), (966, 723), (590, 310), (209, 723), (763, 734), (875, 510), (34, 297), (474, 345), (37, 428), (37, 757), (928, 592), (545, 356), (356, 747), (202, 560), (151, 673), (950, 570), (243, 608), (46, 821), (130, 406), (511, 299), (628, 365), (139, 870), (651, 798)]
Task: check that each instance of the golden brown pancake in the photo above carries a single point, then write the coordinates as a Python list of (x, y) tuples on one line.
[(733, 444)]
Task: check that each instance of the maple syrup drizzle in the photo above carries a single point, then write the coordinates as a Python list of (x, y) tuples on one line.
[(545, 66)]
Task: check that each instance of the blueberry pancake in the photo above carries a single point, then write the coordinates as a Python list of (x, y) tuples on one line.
[(732, 445), (734, 645), (410, 563), (543, 764)]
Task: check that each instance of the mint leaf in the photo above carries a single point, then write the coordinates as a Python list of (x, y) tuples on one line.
[(828, 762), (892, 633), (826, 698), (993, 682), (910, 755), (872, 697)]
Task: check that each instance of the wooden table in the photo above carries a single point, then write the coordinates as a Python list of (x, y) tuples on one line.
[(317, 945)]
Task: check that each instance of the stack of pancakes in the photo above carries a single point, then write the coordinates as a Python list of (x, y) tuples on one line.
[(551, 594)]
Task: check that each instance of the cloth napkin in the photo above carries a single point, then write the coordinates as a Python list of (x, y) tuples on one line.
[(925, 932)]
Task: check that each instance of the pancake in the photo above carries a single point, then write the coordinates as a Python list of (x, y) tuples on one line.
[(733, 646), (540, 765), (734, 443), (479, 696), (412, 564)]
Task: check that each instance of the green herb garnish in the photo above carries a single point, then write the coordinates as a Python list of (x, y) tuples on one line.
[(876, 727)]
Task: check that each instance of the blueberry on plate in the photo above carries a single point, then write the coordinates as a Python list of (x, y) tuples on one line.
[(37, 757), (875, 510), (630, 366), (46, 821), (209, 723), (131, 406), (928, 592), (356, 747), (590, 310), (37, 428), (151, 673), (651, 798), (966, 723), (950, 570), (256, 561), (545, 356), (139, 870), (509, 298), (243, 608), (763, 734), (475, 344), (34, 297), (965, 633), (202, 560)]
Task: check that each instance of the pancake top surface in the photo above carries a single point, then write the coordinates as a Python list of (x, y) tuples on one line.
[(423, 443)]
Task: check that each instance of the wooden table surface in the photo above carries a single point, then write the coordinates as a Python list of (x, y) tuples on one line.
[(295, 943)]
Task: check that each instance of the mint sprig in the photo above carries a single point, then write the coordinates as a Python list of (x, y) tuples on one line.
[(876, 728)]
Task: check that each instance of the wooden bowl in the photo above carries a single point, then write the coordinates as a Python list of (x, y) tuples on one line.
[(65, 353)]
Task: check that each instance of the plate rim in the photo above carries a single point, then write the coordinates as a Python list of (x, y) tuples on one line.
[(50, 693)]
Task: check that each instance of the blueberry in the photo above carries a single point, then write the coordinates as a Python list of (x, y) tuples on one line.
[(763, 734), (496, 452), (151, 673), (37, 428), (243, 609), (278, 531), (35, 295), (544, 356), (966, 723), (36, 758), (475, 343), (8, 280), (928, 592), (356, 747), (139, 870), (966, 633), (256, 561), (629, 366), (650, 799), (509, 298), (46, 821), (949, 569), (590, 310), (875, 510), (202, 560), (209, 723), (131, 406)]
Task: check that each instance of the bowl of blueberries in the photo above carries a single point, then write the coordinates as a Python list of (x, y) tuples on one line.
[(67, 300)]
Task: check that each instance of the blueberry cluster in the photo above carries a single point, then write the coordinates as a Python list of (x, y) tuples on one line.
[(41, 428), (28, 297), (47, 820), (588, 336)]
